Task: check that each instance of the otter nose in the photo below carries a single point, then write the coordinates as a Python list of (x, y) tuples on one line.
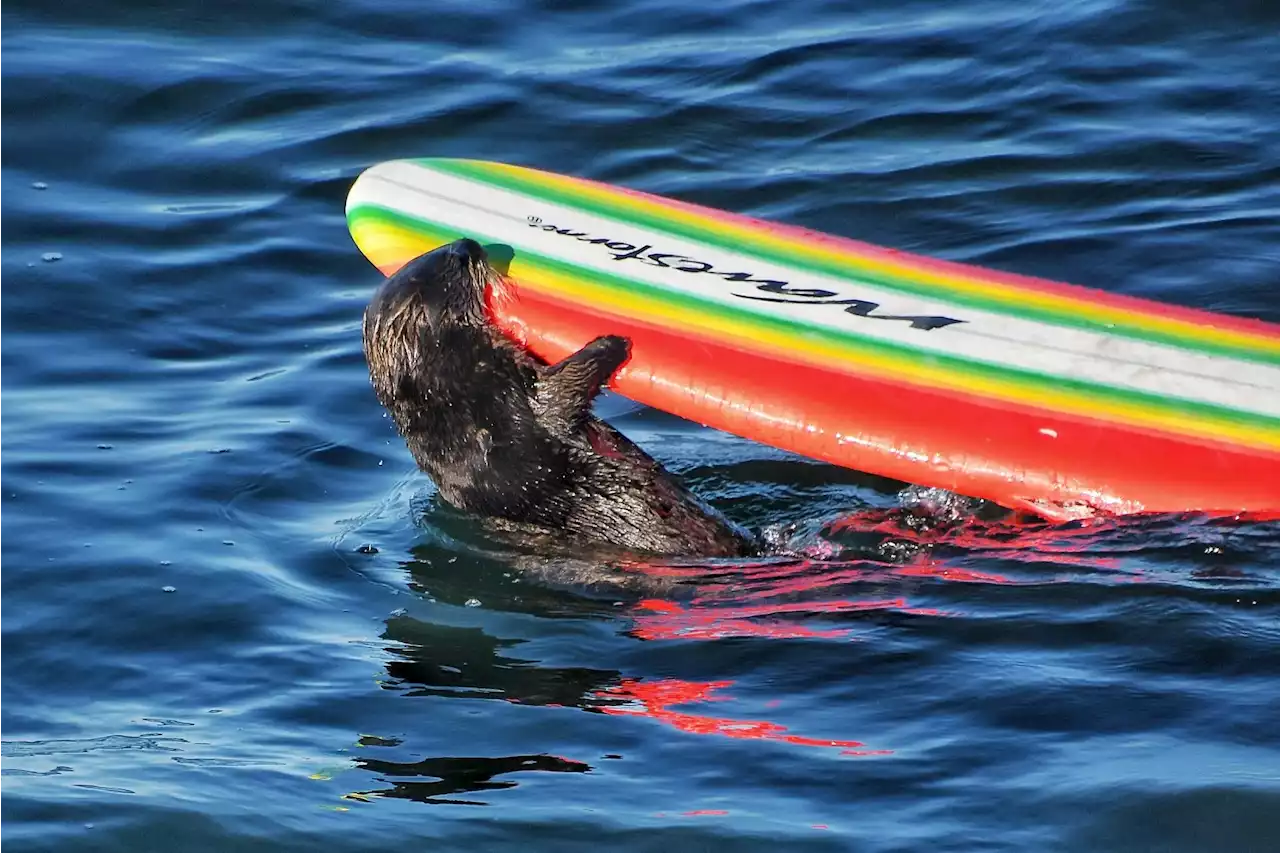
[(467, 249)]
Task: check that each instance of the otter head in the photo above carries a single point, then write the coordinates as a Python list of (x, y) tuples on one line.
[(445, 287)]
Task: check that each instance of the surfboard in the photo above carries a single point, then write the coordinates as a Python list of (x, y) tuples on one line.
[(1041, 396)]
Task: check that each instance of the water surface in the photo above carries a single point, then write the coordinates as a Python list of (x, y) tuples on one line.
[(235, 617)]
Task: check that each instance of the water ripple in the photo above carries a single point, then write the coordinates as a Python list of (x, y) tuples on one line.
[(212, 531)]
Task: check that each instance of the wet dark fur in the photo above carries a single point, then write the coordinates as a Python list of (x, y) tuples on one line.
[(510, 438)]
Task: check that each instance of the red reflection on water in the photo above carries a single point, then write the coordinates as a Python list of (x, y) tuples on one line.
[(1017, 537), (765, 599), (1039, 542), (669, 621), (803, 578), (656, 698), (705, 812), (940, 570)]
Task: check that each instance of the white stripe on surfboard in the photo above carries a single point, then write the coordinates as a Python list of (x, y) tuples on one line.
[(988, 337)]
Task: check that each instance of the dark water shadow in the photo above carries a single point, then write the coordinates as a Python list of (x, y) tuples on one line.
[(427, 660), (450, 776), (430, 659)]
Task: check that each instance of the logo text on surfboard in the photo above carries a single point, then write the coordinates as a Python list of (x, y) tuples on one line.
[(768, 290)]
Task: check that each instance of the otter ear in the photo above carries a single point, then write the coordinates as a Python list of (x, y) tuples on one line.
[(565, 390)]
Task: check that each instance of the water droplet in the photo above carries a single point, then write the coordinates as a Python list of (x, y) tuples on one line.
[(170, 589), (366, 548), (50, 257), (473, 602), (41, 185), (106, 447), (166, 563)]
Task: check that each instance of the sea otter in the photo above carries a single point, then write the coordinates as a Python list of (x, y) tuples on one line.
[(508, 437)]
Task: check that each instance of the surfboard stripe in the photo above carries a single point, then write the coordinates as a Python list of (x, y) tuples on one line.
[(1048, 302), (1049, 463), (389, 238), (716, 277)]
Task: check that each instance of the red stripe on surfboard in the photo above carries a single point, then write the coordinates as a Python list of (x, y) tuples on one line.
[(602, 318), (1137, 304), (1009, 453)]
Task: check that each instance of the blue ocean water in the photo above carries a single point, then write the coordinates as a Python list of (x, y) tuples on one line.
[(235, 617)]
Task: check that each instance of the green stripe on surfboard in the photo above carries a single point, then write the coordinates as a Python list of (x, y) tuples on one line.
[(434, 233), (619, 210)]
